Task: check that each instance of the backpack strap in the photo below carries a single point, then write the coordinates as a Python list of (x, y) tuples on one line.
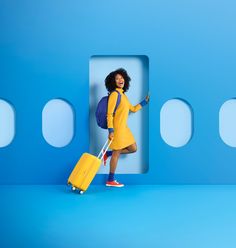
[(118, 100)]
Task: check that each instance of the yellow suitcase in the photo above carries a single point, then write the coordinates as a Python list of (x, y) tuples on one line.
[(86, 169)]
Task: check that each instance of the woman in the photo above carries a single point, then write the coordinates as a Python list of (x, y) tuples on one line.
[(123, 139)]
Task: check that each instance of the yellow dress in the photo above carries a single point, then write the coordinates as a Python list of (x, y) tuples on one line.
[(123, 136)]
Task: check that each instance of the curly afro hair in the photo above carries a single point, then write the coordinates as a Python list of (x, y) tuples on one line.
[(110, 82)]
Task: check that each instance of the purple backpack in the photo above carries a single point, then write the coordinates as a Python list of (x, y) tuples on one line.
[(101, 111)]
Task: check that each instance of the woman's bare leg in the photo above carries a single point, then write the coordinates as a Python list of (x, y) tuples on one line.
[(124, 151), (116, 154), (129, 149), (114, 159)]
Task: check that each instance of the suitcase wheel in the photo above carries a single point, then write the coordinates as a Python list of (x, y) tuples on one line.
[(74, 189)]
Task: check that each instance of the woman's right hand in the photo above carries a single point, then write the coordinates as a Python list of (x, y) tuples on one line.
[(111, 136), (147, 98)]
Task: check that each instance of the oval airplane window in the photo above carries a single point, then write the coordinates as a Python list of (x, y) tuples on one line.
[(176, 122), (227, 122), (7, 123), (58, 123)]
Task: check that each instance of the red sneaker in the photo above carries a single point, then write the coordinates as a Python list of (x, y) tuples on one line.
[(104, 158), (114, 184)]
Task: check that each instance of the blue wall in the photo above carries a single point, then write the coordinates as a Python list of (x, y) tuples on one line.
[(45, 47)]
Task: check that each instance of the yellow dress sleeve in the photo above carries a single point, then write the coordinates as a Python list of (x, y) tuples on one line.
[(134, 108), (112, 99)]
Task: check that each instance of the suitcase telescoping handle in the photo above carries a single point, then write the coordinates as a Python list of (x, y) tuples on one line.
[(100, 153)]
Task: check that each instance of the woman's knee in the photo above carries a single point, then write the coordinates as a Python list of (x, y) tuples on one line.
[(133, 147)]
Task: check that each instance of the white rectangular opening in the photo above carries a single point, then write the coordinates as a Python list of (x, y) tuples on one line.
[(137, 68)]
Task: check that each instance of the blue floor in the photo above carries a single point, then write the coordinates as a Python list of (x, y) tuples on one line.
[(133, 216)]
